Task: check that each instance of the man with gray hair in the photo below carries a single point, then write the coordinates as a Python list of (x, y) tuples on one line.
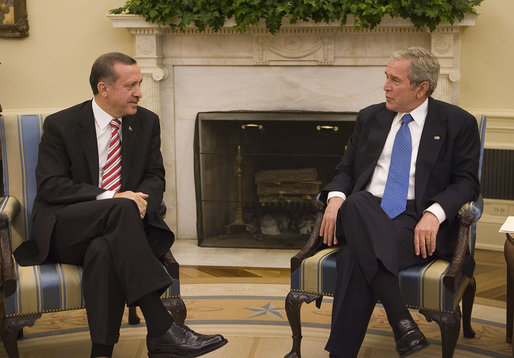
[(410, 164)]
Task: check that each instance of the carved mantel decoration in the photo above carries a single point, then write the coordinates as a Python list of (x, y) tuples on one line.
[(301, 44), (307, 66)]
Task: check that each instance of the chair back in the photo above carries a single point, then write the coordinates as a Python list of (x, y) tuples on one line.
[(20, 136)]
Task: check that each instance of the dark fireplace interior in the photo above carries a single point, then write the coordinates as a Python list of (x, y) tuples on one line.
[(258, 174)]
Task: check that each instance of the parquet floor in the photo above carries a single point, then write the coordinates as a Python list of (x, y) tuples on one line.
[(491, 278), (490, 275)]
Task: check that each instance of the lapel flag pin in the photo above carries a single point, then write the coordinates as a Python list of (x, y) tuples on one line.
[(436, 137)]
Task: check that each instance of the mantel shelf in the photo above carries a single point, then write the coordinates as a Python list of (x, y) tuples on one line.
[(138, 22)]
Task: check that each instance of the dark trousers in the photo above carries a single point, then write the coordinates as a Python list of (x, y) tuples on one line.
[(108, 238), (370, 240)]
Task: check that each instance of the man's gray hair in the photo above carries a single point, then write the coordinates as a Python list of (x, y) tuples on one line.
[(424, 66)]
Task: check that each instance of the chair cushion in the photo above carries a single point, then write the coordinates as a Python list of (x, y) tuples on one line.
[(46, 288), (54, 287), (422, 286), (317, 274)]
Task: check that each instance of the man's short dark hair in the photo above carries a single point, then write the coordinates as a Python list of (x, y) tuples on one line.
[(103, 69)]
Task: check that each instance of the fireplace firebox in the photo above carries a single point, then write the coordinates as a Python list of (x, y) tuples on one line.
[(257, 174)]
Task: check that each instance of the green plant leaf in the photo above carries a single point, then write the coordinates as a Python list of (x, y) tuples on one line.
[(212, 14)]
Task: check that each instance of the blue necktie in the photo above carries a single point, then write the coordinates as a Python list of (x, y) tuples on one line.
[(394, 200)]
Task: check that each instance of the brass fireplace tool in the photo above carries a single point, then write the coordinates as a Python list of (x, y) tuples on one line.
[(238, 221)]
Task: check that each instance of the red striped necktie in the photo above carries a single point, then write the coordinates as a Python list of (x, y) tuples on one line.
[(111, 178)]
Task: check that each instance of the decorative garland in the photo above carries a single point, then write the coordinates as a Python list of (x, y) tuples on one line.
[(212, 14)]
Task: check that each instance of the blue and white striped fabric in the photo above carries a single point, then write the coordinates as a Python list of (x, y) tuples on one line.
[(20, 136)]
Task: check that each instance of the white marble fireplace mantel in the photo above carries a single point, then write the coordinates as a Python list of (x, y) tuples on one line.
[(318, 67)]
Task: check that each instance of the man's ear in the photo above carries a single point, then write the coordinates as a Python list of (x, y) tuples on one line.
[(422, 89), (102, 88)]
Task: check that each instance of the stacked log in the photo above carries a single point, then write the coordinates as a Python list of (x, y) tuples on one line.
[(287, 185)]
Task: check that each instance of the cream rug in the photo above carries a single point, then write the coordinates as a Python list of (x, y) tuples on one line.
[(253, 319)]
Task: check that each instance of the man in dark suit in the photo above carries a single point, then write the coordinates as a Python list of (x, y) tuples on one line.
[(388, 219), (99, 188)]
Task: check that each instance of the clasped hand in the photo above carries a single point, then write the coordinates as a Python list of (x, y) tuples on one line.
[(139, 198)]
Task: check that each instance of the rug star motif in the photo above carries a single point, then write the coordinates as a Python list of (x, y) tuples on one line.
[(267, 310)]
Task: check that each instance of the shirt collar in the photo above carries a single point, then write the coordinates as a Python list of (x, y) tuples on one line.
[(102, 118), (419, 114)]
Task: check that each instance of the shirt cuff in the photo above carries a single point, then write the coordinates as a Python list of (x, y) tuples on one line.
[(338, 194), (108, 194), (438, 211)]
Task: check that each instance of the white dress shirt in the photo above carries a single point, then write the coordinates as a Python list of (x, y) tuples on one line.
[(103, 138), (379, 178)]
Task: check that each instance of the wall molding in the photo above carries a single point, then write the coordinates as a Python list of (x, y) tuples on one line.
[(494, 215), (500, 127)]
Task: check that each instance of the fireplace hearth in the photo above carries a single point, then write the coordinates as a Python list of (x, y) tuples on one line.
[(257, 174)]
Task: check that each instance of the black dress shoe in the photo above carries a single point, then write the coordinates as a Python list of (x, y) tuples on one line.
[(409, 338), (182, 342)]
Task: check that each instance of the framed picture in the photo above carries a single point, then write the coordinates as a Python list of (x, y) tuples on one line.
[(13, 18)]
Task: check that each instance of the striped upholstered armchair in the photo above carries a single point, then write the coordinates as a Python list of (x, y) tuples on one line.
[(28, 292), (436, 289)]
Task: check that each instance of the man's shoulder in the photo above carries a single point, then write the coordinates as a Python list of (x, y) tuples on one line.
[(447, 107), (449, 110), (71, 112), (373, 110)]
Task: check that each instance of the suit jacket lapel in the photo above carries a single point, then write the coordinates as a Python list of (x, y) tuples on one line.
[(128, 130), (379, 128), (87, 137), (432, 139)]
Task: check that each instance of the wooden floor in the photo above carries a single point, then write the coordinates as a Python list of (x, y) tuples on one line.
[(490, 275)]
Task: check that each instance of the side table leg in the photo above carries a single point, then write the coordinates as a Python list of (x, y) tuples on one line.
[(509, 259)]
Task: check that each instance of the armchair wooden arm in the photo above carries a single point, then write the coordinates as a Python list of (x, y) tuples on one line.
[(466, 219), (170, 264), (315, 241), (167, 259), (10, 207), (10, 210)]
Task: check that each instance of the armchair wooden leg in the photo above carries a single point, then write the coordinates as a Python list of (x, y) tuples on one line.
[(449, 323), (177, 308), (133, 317), (11, 327), (294, 301), (467, 307)]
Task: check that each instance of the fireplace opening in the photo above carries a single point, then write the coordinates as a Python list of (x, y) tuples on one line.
[(257, 174)]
